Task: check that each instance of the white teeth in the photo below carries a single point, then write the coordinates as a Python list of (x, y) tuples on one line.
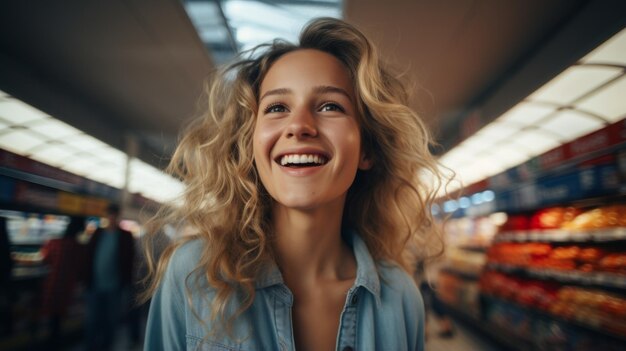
[(302, 159)]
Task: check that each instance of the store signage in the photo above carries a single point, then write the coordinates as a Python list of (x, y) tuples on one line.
[(25, 164), (30, 166), (40, 197), (564, 156), (579, 183), (602, 139), (70, 203)]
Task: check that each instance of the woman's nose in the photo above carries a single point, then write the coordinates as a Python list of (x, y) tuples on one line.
[(302, 124)]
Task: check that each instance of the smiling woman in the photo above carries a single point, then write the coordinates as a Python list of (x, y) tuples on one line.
[(303, 188)]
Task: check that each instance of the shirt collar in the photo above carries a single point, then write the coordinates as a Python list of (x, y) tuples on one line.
[(366, 272), (268, 277)]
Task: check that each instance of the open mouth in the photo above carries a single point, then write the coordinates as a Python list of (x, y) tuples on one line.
[(302, 160)]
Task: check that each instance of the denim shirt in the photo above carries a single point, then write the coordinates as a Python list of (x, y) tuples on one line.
[(383, 310)]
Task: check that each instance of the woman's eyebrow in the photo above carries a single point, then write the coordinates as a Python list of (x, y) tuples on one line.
[(322, 89), (331, 89), (279, 91)]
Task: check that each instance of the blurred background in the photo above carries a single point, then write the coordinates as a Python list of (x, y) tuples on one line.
[(527, 100)]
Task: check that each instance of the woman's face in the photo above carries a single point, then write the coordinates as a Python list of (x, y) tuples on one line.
[(307, 143)]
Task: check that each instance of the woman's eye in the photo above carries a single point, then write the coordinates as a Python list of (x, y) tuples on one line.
[(330, 106), (275, 108)]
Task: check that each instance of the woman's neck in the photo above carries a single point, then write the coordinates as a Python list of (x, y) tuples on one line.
[(309, 247)]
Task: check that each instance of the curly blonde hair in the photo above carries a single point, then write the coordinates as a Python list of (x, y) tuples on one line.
[(227, 205)]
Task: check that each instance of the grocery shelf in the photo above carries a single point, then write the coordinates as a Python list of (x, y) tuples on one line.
[(598, 279), (578, 189), (562, 235), (580, 322), (22, 272)]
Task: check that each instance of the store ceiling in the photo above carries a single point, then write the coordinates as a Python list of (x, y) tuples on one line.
[(457, 51), (136, 68)]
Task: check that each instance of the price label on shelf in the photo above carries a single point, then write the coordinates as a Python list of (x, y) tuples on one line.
[(535, 235), (580, 236), (608, 234), (609, 279), (558, 235)]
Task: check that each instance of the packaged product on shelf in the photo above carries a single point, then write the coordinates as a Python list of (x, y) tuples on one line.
[(614, 263), (553, 218), (596, 308), (598, 218), (516, 223)]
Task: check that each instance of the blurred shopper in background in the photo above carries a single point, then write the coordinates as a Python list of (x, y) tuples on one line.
[(6, 281), (139, 309), (301, 186), (61, 255), (109, 278)]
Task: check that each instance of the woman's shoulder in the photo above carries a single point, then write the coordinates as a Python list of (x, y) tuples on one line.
[(184, 259), (397, 281)]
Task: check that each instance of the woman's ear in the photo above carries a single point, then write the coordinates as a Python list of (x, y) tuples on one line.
[(365, 162)]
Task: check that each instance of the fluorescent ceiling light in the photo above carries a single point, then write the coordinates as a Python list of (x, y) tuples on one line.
[(29, 132), (213, 34), (611, 52), (253, 22), (475, 145), (536, 142), (497, 131), (84, 142), (526, 114), (52, 154), (112, 175), (82, 164), (584, 98), (573, 83), (54, 128), (609, 102), (18, 112), (112, 155), (507, 154), (145, 178), (249, 35), (203, 13), (20, 140), (263, 14), (571, 124)]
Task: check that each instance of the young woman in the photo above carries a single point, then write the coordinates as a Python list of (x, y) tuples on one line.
[(305, 183)]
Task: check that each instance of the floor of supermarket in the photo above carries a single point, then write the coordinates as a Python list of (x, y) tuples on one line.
[(465, 337)]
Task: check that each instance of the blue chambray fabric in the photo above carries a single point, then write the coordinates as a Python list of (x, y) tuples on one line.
[(383, 310)]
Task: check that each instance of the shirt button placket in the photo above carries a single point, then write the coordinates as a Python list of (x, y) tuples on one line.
[(347, 327), (355, 300), (283, 347)]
